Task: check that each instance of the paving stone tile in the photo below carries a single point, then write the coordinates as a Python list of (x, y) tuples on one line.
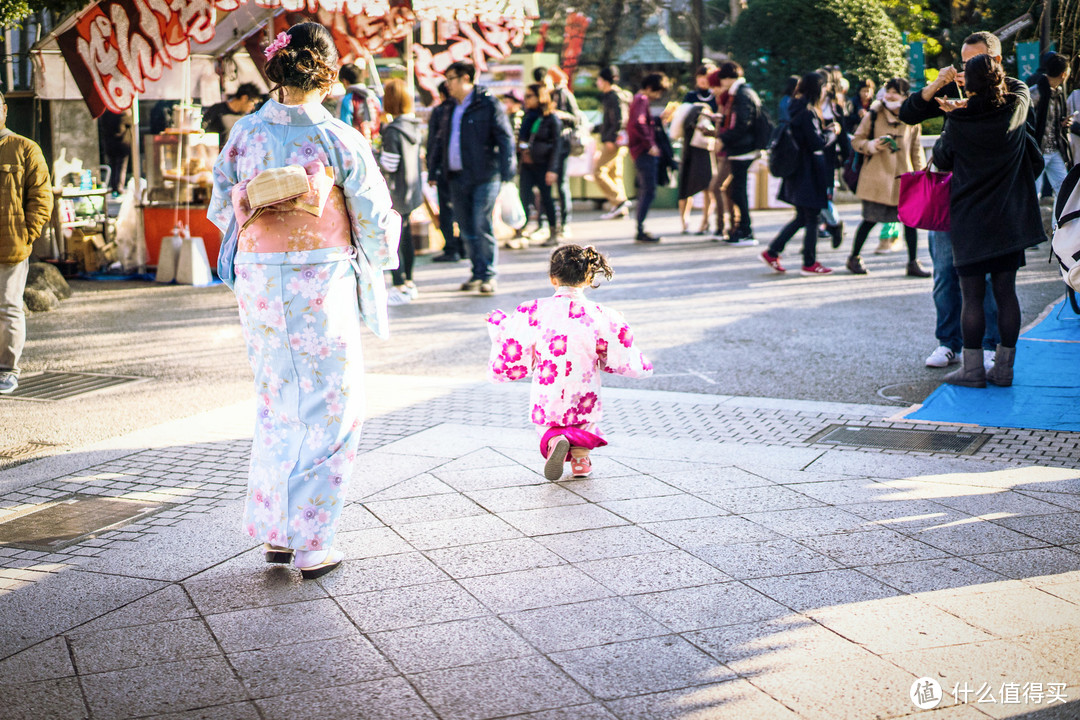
[(760, 499), (904, 515), (232, 711), (270, 585), (931, 575), (976, 537), (1065, 590), (451, 644), (642, 666), (477, 459), (1069, 501), (529, 589), (48, 660), (57, 699), (265, 627), (525, 497), (576, 712), (603, 543), (897, 624), (491, 690), (712, 480), (457, 531), (1052, 529), (1037, 564), (729, 699), (142, 645), (821, 589), (708, 606), (603, 489), (597, 622), (658, 509), (423, 509), (784, 643), (494, 557), (996, 503), (654, 572), (379, 573), (396, 608), (764, 559), (326, 663), (387, 699), (568, 518), (872, 547), (72, 597), (169, 687), (488, 478), (355, 516), (1009, 611), (374, 542), (704, 532), (420, 486), (807, 522), (871, 687), (657, 465), (845, 492), (389, 468)]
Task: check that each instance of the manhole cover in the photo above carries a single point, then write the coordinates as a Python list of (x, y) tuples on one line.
[(24, 450), (52, 386), (70, 520), (911, 392), (930, 441)]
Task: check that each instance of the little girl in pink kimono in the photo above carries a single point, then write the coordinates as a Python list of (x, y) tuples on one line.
[(565, 341)]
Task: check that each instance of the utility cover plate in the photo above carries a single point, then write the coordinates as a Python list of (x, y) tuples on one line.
[(53, 386), (929, 441), (70, 520)]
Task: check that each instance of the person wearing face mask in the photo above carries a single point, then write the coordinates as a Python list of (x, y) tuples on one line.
[(891, 149)]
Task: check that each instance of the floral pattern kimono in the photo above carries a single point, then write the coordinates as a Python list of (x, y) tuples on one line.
[(564, 342), (301, 317)]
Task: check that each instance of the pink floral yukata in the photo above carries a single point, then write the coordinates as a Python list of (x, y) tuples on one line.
[(301, 318), (564, 341)]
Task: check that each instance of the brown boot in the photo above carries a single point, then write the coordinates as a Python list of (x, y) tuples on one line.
[(972, 373), (1002, 372)]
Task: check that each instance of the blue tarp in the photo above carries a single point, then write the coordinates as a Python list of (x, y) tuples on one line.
[(1045, 393)]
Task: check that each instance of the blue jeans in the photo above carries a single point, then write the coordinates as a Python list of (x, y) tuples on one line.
[(948, 302), (566, 202), (648, 167), (473, 208), (1054, 171)]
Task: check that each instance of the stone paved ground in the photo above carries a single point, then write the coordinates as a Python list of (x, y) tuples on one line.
[(717, 565)]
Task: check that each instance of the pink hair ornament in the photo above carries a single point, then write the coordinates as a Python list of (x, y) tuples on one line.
[(282, 40)]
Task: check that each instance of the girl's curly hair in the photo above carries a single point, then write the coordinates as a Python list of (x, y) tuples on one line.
[(308, 62), (575, 265), (984, 77)]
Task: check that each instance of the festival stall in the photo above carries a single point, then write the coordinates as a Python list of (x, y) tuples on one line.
[(114, 53)]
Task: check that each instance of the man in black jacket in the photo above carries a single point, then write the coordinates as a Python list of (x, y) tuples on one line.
[(609, 162), (1052, 119), (476, 156), (947, 300), (453, 247), (221, 117), (737, 139)]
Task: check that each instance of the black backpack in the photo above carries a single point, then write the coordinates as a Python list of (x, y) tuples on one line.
[(783, 152), (763, 130)]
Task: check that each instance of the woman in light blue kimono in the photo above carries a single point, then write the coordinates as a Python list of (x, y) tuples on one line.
[(298, 268)]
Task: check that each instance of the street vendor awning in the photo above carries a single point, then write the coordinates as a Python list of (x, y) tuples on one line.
[(655, 48)]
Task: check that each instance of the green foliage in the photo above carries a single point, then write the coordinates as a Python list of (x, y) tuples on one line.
[(774, 39), (13, 11), (933, 126), (918, 21)]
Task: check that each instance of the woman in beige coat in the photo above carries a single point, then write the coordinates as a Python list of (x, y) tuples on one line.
[(891, 148)]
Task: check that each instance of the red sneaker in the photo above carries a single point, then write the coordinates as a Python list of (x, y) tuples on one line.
[(772, 261), (581, 467), (815, 269)]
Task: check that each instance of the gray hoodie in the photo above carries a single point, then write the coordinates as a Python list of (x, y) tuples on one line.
[(400, 162)]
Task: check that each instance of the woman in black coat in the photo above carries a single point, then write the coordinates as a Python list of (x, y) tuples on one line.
[(808, 188), (540, 146), (994, 209)]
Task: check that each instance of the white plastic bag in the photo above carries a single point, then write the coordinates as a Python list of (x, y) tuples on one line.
[(510, 209)]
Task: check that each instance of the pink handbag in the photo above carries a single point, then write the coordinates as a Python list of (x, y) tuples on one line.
[(924, 200)]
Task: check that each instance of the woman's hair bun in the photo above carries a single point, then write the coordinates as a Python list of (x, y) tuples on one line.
[(308, 62)]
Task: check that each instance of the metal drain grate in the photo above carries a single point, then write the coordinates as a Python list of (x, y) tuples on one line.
[(939, 441), (24, 450), (53, 386), (70, 520)]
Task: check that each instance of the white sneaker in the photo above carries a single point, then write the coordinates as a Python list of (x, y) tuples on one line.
[(988, 359), (620, 210), (397, 296), (411, 291), (8, 383), (942, 357)]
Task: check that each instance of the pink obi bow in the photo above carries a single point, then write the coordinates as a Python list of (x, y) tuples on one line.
[(320, 182)]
